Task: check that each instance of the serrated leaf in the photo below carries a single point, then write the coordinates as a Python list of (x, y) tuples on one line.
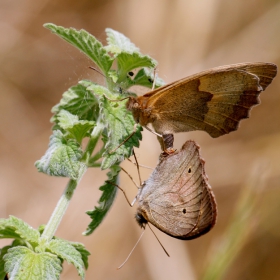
[(118, 43), (23, 264), (86, 43), (83, 251), (78, 101), (62, 158), (76, 129), (145, 77), (106, 200), (67, 252), (119, 124), (131, 61), (17, 228), (3, 252)]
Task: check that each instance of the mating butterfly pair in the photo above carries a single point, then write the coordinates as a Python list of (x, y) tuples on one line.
[(177, 198)]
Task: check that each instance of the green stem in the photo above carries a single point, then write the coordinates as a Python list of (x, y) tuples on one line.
[(65, 199), (59, 211), (94, 137)]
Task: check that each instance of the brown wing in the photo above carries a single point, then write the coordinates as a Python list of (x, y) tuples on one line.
[(214, 100), (177, 198)]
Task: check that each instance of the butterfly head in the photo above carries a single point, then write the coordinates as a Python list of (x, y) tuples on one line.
[(133, 106), (140, 219)]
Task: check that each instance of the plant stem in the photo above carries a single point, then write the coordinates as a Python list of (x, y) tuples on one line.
[(65, 199), (59, 211), (93, 139)]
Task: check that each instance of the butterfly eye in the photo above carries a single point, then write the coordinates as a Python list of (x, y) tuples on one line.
[(130, 73), (190, 170), (184, 211), (135, 105)]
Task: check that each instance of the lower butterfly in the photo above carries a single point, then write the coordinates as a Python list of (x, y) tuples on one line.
[(177, 198)]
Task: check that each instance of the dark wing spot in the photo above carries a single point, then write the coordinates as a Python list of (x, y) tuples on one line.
[(184, 211)]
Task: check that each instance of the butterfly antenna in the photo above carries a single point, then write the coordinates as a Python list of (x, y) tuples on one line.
[(131, 251), (137, 165), (159, 241), (95, 69)]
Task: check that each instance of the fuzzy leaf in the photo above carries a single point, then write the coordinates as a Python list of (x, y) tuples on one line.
[(119, 125), (67, 252), (18, 229), (23, 264), (118, 43), (3, 252), (130, 61), (145, 77), (78, 101), (86, 43), (106, 200), (76, 129), (82, 250), (62, 158)]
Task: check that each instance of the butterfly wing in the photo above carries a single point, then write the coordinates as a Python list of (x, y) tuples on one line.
[(177, 198), (214, 101)]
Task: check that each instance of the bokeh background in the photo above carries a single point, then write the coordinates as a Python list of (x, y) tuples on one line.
[(185, 37)]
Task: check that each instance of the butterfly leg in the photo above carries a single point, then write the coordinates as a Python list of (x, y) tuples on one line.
[(167, 143)]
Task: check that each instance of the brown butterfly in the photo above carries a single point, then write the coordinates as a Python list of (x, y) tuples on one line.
[(177, 198), (214, 101)]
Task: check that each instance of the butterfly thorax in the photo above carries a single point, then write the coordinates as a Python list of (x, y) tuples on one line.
[(141, 113)]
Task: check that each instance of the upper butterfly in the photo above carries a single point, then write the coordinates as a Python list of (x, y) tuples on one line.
[(214, 101)]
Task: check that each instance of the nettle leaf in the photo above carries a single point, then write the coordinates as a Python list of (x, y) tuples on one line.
[(86, 43), (130, 61), (119, 125), (78, 101), (62, 158), (145, 77), (18, 229), (23, 264), (118, 43), (76, 129), (106, 200), (83, 251), (3, 252), (67, 252)]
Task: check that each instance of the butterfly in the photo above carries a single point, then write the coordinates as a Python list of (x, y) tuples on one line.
[(177, 198), (213, 101)]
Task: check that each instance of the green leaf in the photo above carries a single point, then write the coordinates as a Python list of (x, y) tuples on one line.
[(62, 158), (130, 61), (67, 252), (83, 251), (106, 200), (18, 229), (145, 77), (23, 264), (3, 252), (86, 43), (76, 129), (78, 101), (119, 125), (118, 43)]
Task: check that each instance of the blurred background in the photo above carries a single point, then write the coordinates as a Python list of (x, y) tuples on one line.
[(243, 167)]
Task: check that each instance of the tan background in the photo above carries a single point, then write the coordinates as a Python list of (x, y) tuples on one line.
[(184, 37)]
